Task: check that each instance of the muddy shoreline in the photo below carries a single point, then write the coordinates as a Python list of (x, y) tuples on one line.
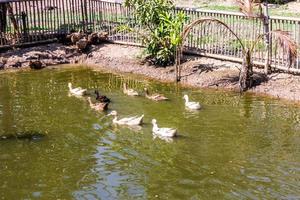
[(197, 72)]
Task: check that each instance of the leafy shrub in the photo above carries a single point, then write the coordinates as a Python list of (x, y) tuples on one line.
[(164, 28)]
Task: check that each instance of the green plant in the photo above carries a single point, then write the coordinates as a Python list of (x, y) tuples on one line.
[(281, 38), (163, 28), (249, 8)]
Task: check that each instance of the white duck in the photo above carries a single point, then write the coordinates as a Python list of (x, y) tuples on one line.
[(76, 91), (129, 92), (191, 105), (163, 132), (130, 121)]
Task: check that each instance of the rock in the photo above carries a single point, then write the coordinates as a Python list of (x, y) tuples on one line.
[(36, 64), (3, 60), (17, 64), (37, 55), (2, 66)]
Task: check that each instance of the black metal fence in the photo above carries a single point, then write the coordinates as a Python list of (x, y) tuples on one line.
[(31, 21)]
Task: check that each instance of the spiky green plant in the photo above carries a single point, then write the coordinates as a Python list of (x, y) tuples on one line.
[(281, 38), (248, 8)]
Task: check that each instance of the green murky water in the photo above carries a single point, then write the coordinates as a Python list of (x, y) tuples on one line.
[(237, 147)]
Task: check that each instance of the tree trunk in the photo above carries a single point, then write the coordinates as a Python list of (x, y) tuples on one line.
[(13, 19), (246, 75)]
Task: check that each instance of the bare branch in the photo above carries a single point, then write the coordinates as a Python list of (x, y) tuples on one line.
[(187, 29)]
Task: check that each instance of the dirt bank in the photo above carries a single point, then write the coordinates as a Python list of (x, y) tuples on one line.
[(196, 72)]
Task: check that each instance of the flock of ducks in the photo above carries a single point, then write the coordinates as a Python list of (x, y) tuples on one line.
[(103, 102)]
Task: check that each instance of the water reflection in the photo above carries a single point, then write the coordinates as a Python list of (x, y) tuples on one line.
[(28, 135), (236, 147)]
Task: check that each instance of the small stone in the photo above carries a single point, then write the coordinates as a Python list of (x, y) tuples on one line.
[(17, 64), (36, 64)]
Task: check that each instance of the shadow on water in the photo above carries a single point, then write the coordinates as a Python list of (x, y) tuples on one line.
[(235, 147), (26, 135)]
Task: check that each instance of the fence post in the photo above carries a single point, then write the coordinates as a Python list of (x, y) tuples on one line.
[(266, 23), (25, 31), (84, 14)]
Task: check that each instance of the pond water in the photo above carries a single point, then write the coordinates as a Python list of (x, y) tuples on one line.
[(54, 146)]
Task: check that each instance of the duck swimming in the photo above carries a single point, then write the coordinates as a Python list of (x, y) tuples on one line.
[(76, 91), (191, 105), (130, 121), (163, 132), (101, 98), (128, 91), (101, 106), (154, 97)]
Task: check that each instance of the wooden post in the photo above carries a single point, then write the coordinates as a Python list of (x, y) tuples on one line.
[(84, 14), (13, 19), (266, 22), (176, 64), (25, 28), (178, 53)]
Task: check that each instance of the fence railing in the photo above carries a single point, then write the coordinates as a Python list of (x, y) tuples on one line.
[(30, 21)]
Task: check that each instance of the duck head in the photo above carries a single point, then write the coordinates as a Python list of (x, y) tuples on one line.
[(70, 85), (146, 91), (186, 98), (154, 121), (90, 100), (113, 113), (155, 126), (97, 94)]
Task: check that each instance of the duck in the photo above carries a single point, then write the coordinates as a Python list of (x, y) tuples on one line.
[(76, 91), (129, 92), (101, 98), (93, 38), (75, 37), (82, 44), (154, 97), (97, 106), (163, 132), (191, 105), (103, 36), (130, 121)]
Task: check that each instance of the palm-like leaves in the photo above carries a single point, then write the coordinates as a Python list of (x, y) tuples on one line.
[(247, 7), (281, 38), (284, 40)]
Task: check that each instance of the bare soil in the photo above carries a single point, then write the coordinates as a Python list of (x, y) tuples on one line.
[(196, 71)]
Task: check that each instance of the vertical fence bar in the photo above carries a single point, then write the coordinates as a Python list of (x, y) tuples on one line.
[(266, 24)]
